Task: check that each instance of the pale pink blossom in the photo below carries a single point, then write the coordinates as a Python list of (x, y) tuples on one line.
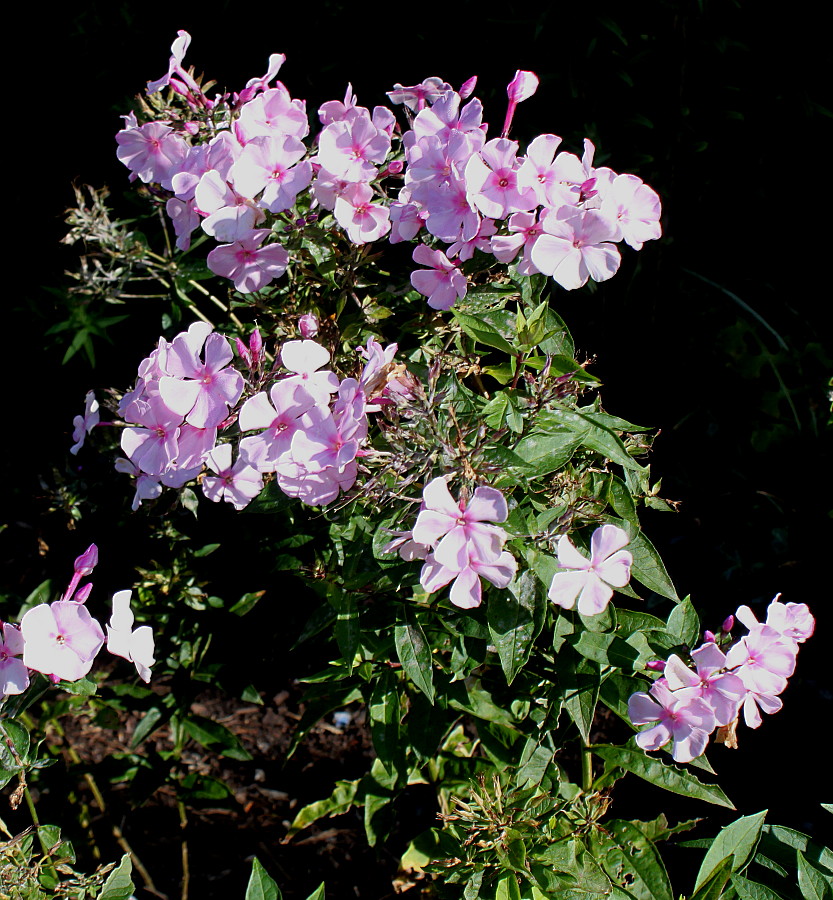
[(636, 209), (792, 620), (492, 180), (14, 677), (136, 646), (443, 283), (591, 581), (466, 591), (576, 247), (83, 425), (722, 691), (237, 483), (305, 359), (687, 722), (60, 639), (458, 530), (363, 220), (248, 264)]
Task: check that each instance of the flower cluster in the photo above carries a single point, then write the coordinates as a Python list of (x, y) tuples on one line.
[(307, 428), (62, 639), (230, 165), (686, 705), (456, 543)]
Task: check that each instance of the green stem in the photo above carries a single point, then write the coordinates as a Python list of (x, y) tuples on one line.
[(586, 768)]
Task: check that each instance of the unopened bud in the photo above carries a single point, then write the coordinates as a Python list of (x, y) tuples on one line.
[(656, 665), (728, 624), (467, 88), (395, 167), (308, 326), (83, 592), (255, 346), (243, 352), (87, 561), (522, 86), (708, 637)]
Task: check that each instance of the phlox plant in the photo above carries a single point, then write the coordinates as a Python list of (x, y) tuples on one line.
[(471, 510)]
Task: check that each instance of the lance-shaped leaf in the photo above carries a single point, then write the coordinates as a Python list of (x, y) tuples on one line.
[(261, 886), (736, 842), (414, 652), (628, 856), (648, 568), (579, 680), (515, 620), (670, 777)]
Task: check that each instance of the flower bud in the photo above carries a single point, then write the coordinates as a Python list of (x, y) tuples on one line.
[(87, 561), (656, 665), (308, 326), (708, 637), (243, 352), (83, 593), (256, 346), (395, 167), (728, 624), (522, 86), (467, 88)]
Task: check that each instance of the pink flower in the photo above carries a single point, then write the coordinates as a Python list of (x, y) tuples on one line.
[(576, 247), (456, 529), (281, 418), (687, 722), (466, 590), (763, 659), (201, 390), (635, 207), (792, 620), (363, 220), (85, 424), (61, 639), (14, 677), (443, 283), (153, 152), (305, 359), (591, 580), (722, 691), (492, 180), (250, 266), (237, 484), (134, 646)]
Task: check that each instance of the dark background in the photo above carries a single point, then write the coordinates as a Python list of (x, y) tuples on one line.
[(716, 335)]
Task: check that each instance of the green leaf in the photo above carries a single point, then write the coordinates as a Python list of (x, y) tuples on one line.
[(579, 681), (14, 742), (813, 884), (639, 858), (611, 650), (385, 714), (712, 888), (213, 735), (414, 652), (648, 567), (261, 886), (83, 687), (318, 893), (752, 890), (152, 719), (560, 341), (119, 884), (340, 801), (347, 627), (670, 777), (780, 844), (514, 622), (247, 603), (684, 623), (507, 888), (547, 451), (477, 328), (615, 692), (621, 500), (736, 842)]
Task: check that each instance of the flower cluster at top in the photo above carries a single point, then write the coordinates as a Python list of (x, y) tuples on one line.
[(62, 639), (686, 705), (308, 428), (230, 164)]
